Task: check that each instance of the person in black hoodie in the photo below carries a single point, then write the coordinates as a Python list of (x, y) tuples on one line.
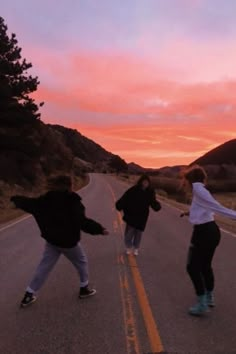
[(60, 216), (135, 203)]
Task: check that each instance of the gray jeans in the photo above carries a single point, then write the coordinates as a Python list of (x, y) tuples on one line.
[(132, 237), (51, 254)]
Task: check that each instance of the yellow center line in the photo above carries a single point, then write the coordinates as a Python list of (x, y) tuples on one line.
[(129, 320), (151, 327), (153, 334), (132, 342)]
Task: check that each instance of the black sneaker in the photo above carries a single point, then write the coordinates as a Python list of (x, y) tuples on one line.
[(28, 299), (86, 292)]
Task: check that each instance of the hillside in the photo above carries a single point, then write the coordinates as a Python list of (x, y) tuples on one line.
[(222, 154), (135, 168), (82, 147), (31, 151), (167, 171)]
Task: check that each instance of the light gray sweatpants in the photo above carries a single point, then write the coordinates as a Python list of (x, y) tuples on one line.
[(51, 254), (132, 237)]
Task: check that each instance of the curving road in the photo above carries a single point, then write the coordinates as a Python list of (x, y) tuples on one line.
[(141, 304)]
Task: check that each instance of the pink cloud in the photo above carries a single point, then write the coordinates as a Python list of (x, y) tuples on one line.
[(192, 3), (192, 60), (181, 119)]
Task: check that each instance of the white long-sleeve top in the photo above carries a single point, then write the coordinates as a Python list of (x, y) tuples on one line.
[(204, 206)]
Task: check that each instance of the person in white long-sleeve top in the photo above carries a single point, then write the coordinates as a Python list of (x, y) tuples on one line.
[(205, 238)]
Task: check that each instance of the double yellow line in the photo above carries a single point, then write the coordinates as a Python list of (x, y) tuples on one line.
[(152, 331), (133, 345)]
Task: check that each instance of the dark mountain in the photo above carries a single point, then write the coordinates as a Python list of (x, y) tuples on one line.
[(31, 151), (82, 147), (222, 154), (167, 171), (172, 170), (136, 169)]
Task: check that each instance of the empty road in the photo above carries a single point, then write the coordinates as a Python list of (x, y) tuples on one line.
[(141, 303)]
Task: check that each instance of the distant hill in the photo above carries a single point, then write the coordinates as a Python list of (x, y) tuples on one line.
[(136, 169), (172, 170), (222, 154), (218, 161), (167, 171)]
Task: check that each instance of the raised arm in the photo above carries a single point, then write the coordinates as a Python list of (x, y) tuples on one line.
[(207, 201), (25, 203), (88, 225)]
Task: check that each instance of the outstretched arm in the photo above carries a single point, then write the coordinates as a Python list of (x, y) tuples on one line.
[(206, 200), (184, 213), (25, 203), (92, 227), (88, 225)]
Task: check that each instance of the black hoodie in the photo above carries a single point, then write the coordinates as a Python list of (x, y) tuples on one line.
[(60, 216), (135, 203)]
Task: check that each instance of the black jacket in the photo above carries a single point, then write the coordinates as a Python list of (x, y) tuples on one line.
[(60, 216), (135, 204)]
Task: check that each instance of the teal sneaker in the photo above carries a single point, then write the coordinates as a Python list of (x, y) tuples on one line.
[(210, 299), (200, 308)]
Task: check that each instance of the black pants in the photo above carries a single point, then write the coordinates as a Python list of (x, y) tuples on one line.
[(205, 239)]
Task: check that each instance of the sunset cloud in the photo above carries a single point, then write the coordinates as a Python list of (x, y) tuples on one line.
[(154, 82)]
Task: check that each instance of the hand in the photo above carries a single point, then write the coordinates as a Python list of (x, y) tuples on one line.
[(184, 213), (105, 232), (13, 199)]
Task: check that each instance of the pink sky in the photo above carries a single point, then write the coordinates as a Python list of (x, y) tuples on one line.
[(154, 84)]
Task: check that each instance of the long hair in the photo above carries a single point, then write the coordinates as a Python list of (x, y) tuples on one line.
[(142, 178)]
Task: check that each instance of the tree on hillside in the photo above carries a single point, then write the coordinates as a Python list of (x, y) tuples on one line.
[(16, 84)]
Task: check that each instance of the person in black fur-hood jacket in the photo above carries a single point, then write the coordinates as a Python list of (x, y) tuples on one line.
[(60, 216), (135, 203)]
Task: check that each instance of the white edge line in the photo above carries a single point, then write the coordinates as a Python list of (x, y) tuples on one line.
[(85, 187), (30, 216), (15, 222), (228, 232)]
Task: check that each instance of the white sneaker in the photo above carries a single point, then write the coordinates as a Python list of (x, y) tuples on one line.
[(128, 251), (136, 252)]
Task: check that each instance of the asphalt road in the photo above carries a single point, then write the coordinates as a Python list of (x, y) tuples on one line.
[(141, 303)]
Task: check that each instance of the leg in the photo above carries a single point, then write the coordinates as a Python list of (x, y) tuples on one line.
[(129, 235), (49, 259), (207, 270), (208, 254), (78, 258), (137, 238), (194, 269), (208, 276), (212, 238), (205, 238)]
